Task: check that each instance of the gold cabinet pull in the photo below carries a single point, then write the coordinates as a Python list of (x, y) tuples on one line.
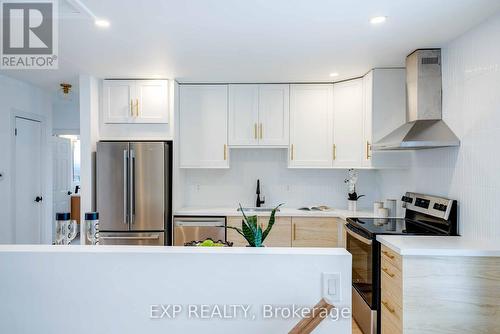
[(386, 304), (368, 149), (291, 153), (261, 132), (255, 131), (389, 255), (385, 270), (131, 107), (225, 152), (294, 232), (334, 151), (137, 107)]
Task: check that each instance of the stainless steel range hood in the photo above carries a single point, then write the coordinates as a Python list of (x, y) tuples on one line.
[(424, 128)]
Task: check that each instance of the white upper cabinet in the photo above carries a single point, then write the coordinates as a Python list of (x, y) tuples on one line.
[(151, 101), (135, 101), (243, 115), (311, 126), (118, 101), (348, 123), (203, 115), (274, 115), (384, 94), (259, 115)]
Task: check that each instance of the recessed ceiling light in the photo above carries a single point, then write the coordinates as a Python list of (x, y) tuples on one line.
[(102, 23), (378, 19), (334, 74)]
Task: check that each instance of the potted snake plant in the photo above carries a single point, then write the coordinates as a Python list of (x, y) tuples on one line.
[(251, 231)]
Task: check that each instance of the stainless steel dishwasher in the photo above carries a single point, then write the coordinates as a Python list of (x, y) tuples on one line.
[(195, 228)]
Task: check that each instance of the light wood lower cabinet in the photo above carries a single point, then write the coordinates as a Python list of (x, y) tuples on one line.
[(280, 235), (292, 232), (315, 232), (439, 294)]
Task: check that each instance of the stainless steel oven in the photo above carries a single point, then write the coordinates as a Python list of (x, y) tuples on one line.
[(365, 256), (425, 215)]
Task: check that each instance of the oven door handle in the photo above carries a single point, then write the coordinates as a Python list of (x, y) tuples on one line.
[(358, 237)]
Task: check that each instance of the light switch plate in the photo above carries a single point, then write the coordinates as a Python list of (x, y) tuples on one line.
[(331, 283)]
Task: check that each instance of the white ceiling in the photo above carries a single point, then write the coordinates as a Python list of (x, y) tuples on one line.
[(251, 40)]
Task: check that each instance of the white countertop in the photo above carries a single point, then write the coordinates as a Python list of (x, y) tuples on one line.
[(439, 246), (170, 250), (284, 212)]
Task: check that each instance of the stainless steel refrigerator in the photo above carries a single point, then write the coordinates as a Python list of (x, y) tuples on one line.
[(134, 187)]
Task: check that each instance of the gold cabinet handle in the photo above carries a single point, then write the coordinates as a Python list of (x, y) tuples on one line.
[(368, 149), (137, 107), (385, 270), (225, 152), (291, 152), (294, 234), (132, 108), (386, 304), (261, 132), (334, 151), (255, 131), (389, 255)]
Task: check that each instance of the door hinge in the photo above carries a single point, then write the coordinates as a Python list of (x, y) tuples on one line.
[(15, 132)]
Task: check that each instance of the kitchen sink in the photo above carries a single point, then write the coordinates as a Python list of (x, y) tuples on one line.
[(255, 209)]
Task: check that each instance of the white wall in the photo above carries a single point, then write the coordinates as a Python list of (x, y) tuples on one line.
[(89, 135), (85, 289), (294, 187), (66, 115), (471, 107), (17, 97)]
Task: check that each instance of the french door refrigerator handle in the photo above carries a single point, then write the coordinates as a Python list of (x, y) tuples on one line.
[(125, 181), (132, 186)]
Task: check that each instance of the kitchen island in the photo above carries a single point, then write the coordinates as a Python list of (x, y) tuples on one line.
[(439, 284), (131, 289)]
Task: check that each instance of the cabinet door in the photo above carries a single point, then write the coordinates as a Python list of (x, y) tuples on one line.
[(232, 235), (311, 126), (203, 126), (274, 114), (348, 123), (118, 104), (314, 232), (281, 233), (243, 115), (151, 101), (367, 118)]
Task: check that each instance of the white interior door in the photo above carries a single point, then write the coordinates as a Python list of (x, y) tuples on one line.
[(28, 188), (274, 114), (62, 173)]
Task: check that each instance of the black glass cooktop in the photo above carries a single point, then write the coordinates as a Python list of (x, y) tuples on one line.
[(399, 226)]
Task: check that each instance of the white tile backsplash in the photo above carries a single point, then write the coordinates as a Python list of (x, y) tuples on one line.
[(471, 107), (294, 187)]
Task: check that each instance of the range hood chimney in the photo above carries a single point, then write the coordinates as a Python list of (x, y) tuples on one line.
[(424, 126)]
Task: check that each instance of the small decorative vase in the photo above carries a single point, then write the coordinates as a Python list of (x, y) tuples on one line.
[(352, 205)]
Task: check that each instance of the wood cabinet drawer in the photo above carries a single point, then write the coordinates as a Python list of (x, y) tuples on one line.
[(391, 281), (391, 256), (314, 232), (388, 326), (391, 310)]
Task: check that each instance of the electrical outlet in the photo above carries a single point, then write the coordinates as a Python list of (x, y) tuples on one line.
[(332, 287)]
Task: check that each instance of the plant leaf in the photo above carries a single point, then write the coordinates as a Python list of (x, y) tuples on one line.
[(258, 238), (248, 232), (272, 219)]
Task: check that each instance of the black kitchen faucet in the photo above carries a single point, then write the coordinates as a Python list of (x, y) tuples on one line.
[(259, 201)]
